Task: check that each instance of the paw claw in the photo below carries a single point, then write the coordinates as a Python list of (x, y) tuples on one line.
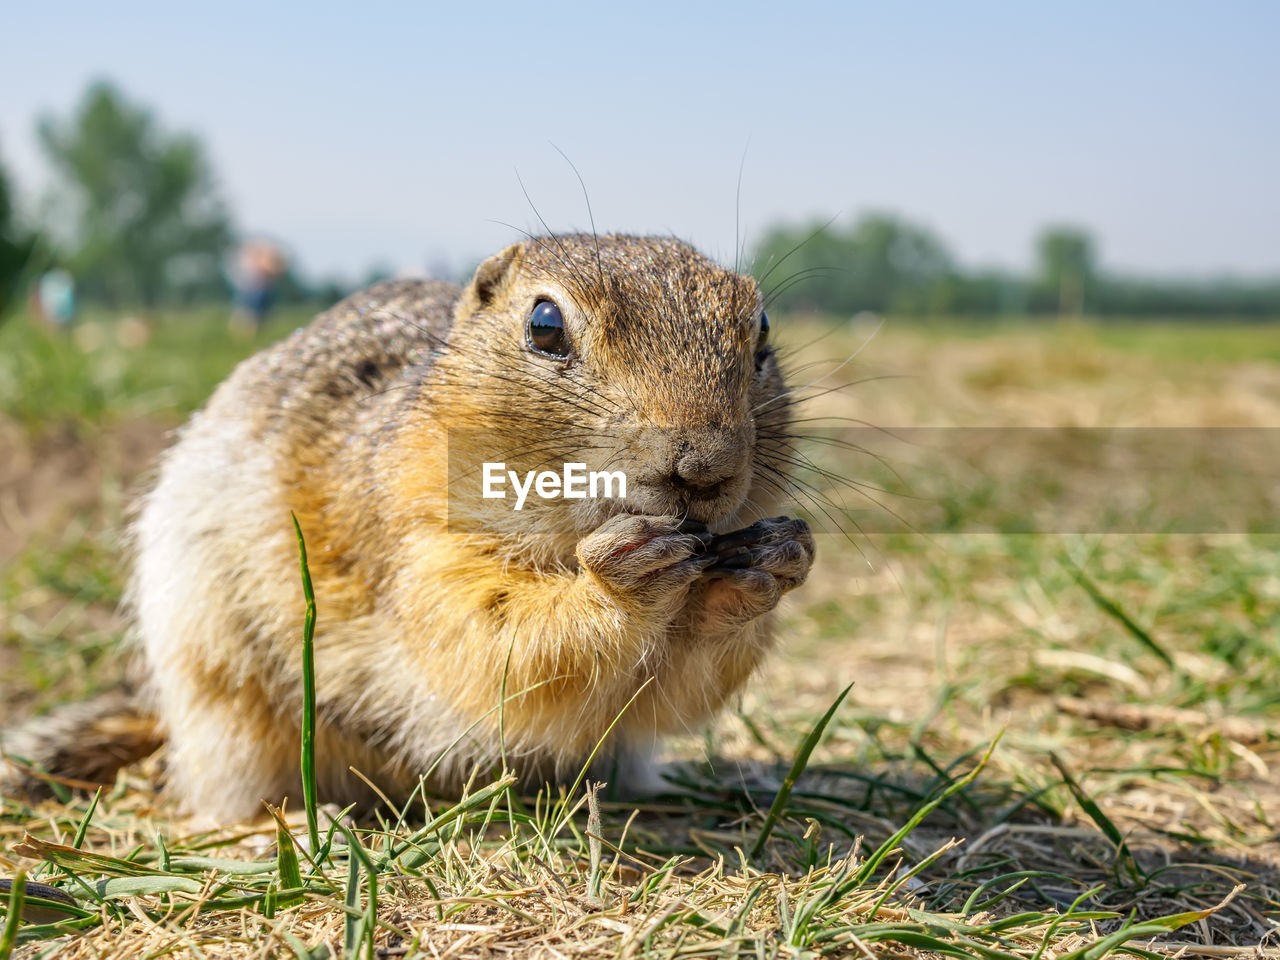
[(759, 563), (737, 539)]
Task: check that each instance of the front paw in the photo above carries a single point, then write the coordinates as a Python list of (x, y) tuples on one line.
[(752, 568), (648, 560)]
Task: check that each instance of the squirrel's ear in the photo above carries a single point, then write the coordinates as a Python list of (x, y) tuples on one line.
[(489, 278)]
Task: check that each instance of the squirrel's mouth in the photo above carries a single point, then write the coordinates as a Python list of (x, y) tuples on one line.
[(706, 504)]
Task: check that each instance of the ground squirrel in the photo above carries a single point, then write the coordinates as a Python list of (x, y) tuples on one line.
[(635, 354)]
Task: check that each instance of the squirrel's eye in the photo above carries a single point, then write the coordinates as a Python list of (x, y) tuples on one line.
[(762, 342), (545, 329)]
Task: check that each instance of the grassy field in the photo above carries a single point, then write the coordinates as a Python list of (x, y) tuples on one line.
[(1055, 745)]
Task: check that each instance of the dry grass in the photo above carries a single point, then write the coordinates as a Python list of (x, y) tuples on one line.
[(1129, 680)]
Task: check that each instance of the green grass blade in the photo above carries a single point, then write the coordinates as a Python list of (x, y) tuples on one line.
[(738, 924), (17, 896), (88, 816), (971, 905), (1150, 928), (236, 868), (1113, 610), (300, 950), (923, 941), (308, 695), (1102, 821), (119, 887), (288, 869), (801, 761), (1058, 921), (71, 859), (361, 925), (407, 855), (872, 862), (352, 920), (44, 931), (371, 915)]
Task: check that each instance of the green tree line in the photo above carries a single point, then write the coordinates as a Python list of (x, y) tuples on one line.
[(885, 264)]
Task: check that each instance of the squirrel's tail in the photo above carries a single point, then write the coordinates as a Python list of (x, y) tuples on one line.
[(80, 745)]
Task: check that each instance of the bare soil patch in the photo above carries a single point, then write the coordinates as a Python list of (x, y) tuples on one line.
[(47, 478)]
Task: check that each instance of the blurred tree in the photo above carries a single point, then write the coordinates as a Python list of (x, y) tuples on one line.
[(17, 247), (880, 263), (897, 262), (885, 264), (984, 293), (143, 219), (1066, 267)]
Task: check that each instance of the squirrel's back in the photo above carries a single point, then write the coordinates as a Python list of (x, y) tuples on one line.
[(223, 492), (275, 437)]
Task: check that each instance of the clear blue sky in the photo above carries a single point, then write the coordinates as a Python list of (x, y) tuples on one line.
[(375, 131)]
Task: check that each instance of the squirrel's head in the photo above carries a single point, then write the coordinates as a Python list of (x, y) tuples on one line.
[(626, 354)]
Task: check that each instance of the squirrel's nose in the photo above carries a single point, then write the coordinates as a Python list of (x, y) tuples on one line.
[(699, 474)]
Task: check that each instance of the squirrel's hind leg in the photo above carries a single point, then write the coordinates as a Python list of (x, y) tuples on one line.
[(225, 759), (633, 772)]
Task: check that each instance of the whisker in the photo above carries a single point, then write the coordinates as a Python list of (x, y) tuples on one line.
[(737, 208), (585, 196), (785, 257)]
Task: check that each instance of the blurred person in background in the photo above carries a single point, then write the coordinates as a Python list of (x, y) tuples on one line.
[(259, 267), (54, 298)]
